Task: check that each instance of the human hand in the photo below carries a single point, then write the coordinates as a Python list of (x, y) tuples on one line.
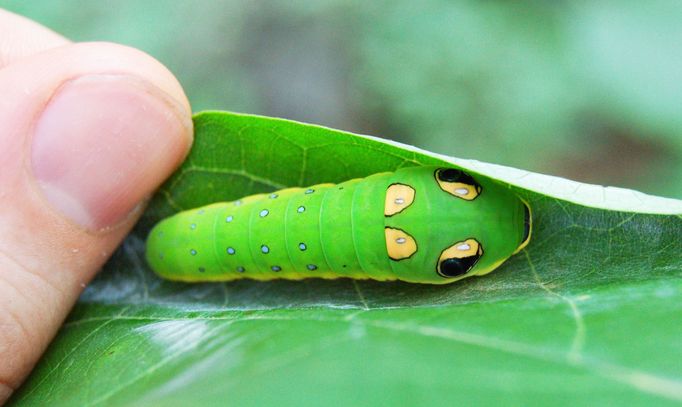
[(87, 132)]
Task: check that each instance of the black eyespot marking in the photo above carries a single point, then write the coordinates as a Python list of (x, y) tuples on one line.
[(311, 267), (265, 249), (276, 268), (456, 267), (193, 252), (454, 175), (201, 269), (302, 246), (230, 250)]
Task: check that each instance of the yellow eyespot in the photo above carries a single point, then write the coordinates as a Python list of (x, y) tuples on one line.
[(458, 183), (398, 198), (399, 244), (459, 258)]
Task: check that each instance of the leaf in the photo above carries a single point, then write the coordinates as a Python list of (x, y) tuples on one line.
[(589, 313)]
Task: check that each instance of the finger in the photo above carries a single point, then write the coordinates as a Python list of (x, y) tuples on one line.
[(87, 132), (21, 37)]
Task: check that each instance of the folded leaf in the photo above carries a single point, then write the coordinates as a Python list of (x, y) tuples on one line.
[(590, 312)]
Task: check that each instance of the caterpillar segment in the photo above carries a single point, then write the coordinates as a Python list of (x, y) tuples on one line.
[(418, 224)]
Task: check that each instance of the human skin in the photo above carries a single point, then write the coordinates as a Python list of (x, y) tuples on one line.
[(87, 132)]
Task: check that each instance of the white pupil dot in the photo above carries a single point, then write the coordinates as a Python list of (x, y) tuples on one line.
[(399, 201), (264, 213), (462, 191), (400, 240), (463, 247)]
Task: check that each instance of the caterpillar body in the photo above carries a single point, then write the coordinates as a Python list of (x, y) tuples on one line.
[(418, 224)]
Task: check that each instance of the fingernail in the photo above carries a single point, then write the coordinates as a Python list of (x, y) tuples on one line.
[(104, 143)]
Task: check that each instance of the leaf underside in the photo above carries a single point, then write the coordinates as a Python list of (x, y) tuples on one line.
[(589, 313)]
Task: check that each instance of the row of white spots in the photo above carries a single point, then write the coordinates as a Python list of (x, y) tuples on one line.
[(263, 213), (264, 248)]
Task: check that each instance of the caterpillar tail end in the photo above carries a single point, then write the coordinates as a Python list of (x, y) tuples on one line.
[(164, 252), (155, 252), (181, 247)]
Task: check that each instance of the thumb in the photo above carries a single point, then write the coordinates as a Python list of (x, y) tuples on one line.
[(87, 132)]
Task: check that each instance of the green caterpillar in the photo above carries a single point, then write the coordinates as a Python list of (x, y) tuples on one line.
[(418, 224)]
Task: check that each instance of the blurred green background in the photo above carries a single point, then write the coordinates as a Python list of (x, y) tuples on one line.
[(587, 90)]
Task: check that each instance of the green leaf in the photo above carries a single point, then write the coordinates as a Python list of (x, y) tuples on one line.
[(589, 313)]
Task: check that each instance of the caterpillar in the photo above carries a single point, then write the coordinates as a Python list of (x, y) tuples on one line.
[(418, 224)]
